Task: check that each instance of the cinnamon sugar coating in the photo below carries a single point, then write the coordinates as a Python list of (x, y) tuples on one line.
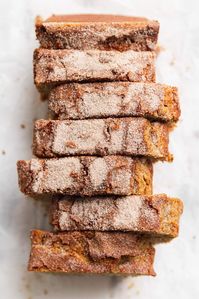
[(114, 99), (91, 252), (111, 136), (156, 215), (52, 67), (85, 176), (103, 32)]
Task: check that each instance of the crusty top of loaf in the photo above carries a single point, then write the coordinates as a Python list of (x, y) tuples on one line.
[(79, 18), (97, 32)]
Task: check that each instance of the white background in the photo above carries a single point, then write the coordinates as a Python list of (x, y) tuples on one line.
[(176, 263)]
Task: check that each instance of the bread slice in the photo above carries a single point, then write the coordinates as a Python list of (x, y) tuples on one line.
[(103, 32), (156, 215), (114, 99), (111, 136), (91, 253), (85, 176), (53, 67)]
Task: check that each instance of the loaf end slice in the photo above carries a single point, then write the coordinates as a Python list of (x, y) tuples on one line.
[(103, 32), (113, 253)]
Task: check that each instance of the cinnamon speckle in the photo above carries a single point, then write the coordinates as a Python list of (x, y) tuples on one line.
[(23, 126), (70, 144)]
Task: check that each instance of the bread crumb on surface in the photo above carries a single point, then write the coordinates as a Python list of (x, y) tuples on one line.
[(130, 285), (172, 62), (3, 152), (159, 49), (22, 126), (27, 286)]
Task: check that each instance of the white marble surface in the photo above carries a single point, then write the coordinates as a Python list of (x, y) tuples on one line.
[(176, 263)]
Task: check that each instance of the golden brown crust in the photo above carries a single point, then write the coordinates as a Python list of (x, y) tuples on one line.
[(103, 32), (86, 176), (93, 18), (114, 99), (157, 215), (112, 136), (91, 252)]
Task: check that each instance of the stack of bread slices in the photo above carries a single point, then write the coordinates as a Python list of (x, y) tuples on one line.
[(109, 121)]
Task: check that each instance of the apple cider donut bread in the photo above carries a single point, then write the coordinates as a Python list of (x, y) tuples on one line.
[(157, 215), (53, 67), (85, 175), (103, 32), (114, 99), (89, 252), (131, 136)]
